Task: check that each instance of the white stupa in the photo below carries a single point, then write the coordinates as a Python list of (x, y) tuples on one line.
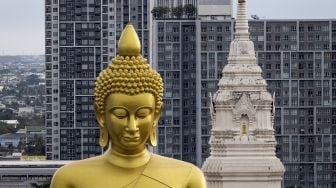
[(242, 139)]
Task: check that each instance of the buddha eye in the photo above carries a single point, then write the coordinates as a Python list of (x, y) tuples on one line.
[(120, 113), (143, 112)]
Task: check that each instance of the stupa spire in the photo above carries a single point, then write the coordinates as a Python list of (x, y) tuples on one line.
[(242, 27), (242, 48)]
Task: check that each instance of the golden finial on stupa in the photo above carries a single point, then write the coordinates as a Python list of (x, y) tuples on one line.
[(129, 43)]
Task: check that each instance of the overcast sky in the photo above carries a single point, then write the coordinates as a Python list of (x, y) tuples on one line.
[(22, 21)]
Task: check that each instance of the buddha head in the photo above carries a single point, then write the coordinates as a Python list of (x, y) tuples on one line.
[(128, 98)]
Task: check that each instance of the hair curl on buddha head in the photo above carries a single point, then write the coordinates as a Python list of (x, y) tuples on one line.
[(130, 76)]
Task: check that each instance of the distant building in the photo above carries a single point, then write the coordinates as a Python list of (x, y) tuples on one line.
[(9, 99), (39, 110), (23, 173), (39, 75), (80, 40), (21, 103), (11, 139), (34, 131), (214, 9), (2, 106), (15, 156), (14, 123), (26, 111)]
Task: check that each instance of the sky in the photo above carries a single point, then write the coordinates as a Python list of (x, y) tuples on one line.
[(22, 21)]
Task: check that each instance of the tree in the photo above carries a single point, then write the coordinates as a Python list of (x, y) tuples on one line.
[(160, 12), (33, 79), (5, 128), (155, 12), (6, 114), (35, 147), (189, 10), (45, 184), (177, 11), (21, 146), (165, 11)]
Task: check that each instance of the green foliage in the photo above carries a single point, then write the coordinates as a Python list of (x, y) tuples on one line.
[(45, 184), (163, 12), (31, 121), (5, 128), (189, 10), (35, 147), (160, 12), (177, 11), (33, 79), (21, 146), (6, 114)]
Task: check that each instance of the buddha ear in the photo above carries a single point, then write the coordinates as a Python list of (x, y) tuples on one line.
[(99, 117), (103, 135), (157, 114), (152, 140)]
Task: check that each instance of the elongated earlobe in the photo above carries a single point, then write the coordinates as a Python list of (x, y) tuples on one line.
[(103, 138), (152, 140), (103, 135)]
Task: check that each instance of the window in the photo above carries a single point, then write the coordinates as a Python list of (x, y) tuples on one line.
[(211, 28), (211, 38), (293, 28)]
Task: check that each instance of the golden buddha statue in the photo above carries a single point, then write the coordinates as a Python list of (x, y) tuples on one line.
[(128, 104)]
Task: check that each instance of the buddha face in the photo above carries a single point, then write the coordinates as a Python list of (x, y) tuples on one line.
[(129, 120)]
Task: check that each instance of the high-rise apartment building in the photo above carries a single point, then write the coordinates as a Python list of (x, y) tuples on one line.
[(184, 129), (298, 58), (80, 40)]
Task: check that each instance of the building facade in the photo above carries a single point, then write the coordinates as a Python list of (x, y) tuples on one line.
[(174, 3), (80, 39), (298, 60), (23, 174)]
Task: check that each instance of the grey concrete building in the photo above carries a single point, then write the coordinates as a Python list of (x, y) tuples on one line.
[(177, 45), (22, 174), (80, 40), (298, 58)]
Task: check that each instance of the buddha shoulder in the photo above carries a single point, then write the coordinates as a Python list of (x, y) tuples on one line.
[(75, 171), (174, 173)]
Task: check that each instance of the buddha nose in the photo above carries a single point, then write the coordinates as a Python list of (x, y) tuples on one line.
[(132, 125)]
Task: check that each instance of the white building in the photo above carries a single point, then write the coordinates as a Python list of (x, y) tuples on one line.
[(214, 9), (14, 123), (26, 111)]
